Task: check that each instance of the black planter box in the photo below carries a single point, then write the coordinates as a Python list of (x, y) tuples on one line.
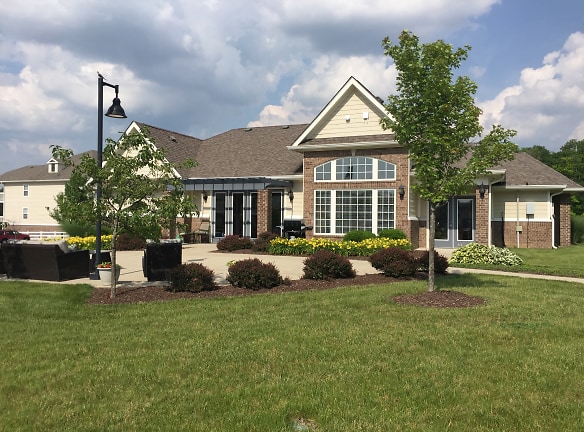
[(159, 258)]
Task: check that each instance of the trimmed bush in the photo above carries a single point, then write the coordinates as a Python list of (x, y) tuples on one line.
[(253, 274), (192, 277), (232, 243), (392, 233), (358, 235), (394, 262), (130, 242), (474, 253), (262, 243), (327, 265), (440, 262)]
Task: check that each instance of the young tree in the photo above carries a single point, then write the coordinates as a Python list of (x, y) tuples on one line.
[(437, 121), (140, 191)]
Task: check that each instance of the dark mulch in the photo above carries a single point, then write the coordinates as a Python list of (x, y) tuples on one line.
[(151, 293)]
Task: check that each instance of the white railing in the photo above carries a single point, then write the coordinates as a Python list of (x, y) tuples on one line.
[(46, 235)]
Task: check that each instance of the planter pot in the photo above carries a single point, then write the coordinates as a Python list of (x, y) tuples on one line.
[(105, 275)]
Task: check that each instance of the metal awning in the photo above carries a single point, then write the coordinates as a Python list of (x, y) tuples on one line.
[(234, 183)]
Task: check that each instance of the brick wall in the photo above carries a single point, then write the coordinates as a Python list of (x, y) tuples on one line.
[(565, 221), (532, 235), (482, 216), (264, 211)]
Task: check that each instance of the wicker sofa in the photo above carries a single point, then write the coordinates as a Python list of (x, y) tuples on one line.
[(46, 261)]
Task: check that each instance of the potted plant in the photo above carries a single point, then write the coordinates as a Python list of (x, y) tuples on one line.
[(105, 272)]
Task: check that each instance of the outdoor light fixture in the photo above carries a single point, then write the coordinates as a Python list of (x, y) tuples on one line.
[(115, 111), (402, 191), (205, 196), (291, 195), (482, 190)]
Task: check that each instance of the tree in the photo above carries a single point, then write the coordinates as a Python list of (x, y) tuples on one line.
[(436, 120), (140, 190)]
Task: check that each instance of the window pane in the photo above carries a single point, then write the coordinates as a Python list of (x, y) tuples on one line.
[(354, 168), (323, 172), (385, 170), (353, 210), (385, 209), (322, 212)]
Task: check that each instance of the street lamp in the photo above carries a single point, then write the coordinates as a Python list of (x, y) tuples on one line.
[(115, 111)]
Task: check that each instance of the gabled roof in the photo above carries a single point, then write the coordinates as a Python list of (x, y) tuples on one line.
[(39, 173), (525, 170), (311, 139), (249, 152)]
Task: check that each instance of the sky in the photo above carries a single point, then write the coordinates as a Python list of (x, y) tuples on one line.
[(201, 67)]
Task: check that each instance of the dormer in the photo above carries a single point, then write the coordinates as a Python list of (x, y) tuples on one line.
[(54, 166)]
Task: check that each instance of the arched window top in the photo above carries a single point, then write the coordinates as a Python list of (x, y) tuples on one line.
[(355, 168)]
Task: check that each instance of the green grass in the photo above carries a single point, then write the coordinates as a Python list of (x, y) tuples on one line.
[(346, 359), (565, 261)]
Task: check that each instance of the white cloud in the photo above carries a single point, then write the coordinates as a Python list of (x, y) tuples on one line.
[(547, 101)]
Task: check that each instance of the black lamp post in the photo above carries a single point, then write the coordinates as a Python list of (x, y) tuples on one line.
[(115, 111)]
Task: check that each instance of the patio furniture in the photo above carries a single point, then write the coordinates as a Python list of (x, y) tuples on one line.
[(44, 262), (160, 258)]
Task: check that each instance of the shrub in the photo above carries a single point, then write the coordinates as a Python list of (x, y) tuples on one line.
[(474, 253), (577, 222), (253, 274), (192, 277), (232, 243), (358, 235), (327, 265), (262, 243), (394, 262), (392, 233), (128, 241), (440, 262)]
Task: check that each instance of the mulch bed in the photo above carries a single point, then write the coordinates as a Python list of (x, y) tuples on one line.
[(153, 292)]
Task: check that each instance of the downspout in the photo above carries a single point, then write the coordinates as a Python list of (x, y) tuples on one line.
[(517, 223), (553, 218)]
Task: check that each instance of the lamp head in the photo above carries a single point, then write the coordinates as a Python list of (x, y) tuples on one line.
[(116, 110)]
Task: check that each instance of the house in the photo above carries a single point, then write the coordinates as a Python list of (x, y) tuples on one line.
[(343, 172), (28, 195)]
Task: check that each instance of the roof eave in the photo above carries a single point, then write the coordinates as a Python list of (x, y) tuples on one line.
[(343, 146)]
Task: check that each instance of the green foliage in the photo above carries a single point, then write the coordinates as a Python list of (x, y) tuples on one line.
[(474, 253), (324, 264), (394, 262), (440, 262), (300, 246), (253, 274), (191, 277), (577, 223), (232, 243), (140, 191), (262, 242), (358, 235), (392, 233)]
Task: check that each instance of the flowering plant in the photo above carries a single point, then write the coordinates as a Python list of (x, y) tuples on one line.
[(107, 265)]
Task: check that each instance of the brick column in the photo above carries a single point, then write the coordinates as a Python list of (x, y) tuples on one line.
[(264, 210), (482, 216), (565, 220)]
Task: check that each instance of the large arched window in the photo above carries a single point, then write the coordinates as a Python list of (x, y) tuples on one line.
[(355, 168)]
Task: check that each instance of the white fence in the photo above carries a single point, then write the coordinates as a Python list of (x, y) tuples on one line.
[(45, 235)]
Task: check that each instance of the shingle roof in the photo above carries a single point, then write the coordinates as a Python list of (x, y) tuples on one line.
[(41, 172), (249, 152), (527, 170)]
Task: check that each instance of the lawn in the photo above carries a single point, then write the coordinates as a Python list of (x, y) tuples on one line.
[(336, 360)]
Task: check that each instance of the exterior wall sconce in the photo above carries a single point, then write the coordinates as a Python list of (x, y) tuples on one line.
[(290, 195), (482, 190), (401, 190), (205, 196)]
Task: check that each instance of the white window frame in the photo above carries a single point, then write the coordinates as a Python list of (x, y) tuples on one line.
[(325, 219), (25, 190), (327, 171), (25, 213)]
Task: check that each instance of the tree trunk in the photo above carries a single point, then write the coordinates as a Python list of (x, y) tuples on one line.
[(431, 241)]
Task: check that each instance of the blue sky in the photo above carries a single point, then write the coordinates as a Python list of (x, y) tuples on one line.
[(203, 67)]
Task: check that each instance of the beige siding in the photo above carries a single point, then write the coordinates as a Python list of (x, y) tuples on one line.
[(512, 205), (352, 106), (40, 196)]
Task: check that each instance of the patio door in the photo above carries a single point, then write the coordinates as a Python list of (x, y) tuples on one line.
[(235, 213), (455, 223)]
